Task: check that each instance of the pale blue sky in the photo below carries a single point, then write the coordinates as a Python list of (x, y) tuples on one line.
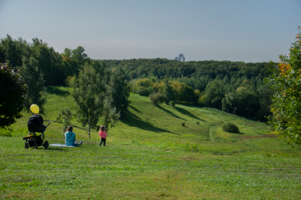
[(236, 30)]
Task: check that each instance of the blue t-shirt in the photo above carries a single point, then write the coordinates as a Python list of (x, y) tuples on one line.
[(70, 138)]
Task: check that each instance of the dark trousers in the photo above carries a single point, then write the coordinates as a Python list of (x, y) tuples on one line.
[(103, 140)]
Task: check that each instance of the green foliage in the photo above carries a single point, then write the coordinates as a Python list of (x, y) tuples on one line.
[(33, 78), (214, 94), (231, 128), (156, 98), (172, 103), (110, 114), (168, 92), (118, 90), (12, 91), (241, 102), (88, 93), (213, 78), (286, 103), (143, 91), (65, 117), (183, 124)]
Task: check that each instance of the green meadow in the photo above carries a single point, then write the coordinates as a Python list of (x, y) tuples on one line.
[(150, 155)]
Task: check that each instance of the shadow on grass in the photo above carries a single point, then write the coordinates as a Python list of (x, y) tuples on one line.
[(133, 120), (134, 109), (55, 149), (158, 106), (79, 127), (185, 112), (57, 91)]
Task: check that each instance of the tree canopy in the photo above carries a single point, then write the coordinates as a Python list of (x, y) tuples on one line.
[(12, 91), (286, 102)]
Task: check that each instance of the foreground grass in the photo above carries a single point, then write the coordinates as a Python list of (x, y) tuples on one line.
[(149, 155)]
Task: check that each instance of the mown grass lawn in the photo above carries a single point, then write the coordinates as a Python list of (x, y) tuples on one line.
[(150, 155)]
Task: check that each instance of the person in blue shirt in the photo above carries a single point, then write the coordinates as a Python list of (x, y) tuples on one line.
[(70, 139)]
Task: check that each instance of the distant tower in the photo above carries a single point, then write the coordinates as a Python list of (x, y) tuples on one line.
[(181, 58)]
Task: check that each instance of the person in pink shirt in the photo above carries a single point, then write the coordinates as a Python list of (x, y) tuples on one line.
[(103, 135)]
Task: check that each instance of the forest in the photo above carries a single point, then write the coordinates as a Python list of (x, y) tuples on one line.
[(235, 87)]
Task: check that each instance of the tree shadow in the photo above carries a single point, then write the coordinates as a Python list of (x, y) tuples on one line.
[(57, 91), (133, 120), (185, 112), (82, 128), (158, 106), (54, 149), (134, 109)]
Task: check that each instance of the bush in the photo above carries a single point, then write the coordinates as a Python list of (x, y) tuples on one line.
[(142, 91), (156, 98), (231, 128), (183, 124), (172, 103), (197, 122)]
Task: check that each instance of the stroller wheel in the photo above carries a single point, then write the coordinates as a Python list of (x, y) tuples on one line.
[(35, 145), (46, 144), (26, 145)]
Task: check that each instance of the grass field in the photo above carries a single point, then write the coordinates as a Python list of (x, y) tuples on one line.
[(150, 155)]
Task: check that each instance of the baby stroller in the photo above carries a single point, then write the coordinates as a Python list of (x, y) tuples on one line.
[(35, 124), (34, 140)]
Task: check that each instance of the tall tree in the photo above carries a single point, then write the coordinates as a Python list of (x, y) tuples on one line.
[(118, 90), (13, 54), (286, 102), (168, 92), (88, 93), (33, 77), (12, 90)]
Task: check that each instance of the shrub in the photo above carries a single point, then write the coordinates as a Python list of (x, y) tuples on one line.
[(197, 122), (231, 128), (142, 91), (183, 124), (172, 103), (156, 98)]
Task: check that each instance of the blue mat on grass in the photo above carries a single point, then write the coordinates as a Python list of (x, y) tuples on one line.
[(60, 145)]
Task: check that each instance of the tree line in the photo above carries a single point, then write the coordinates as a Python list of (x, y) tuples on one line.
[(241, 88), (98, 91), (234, 87)]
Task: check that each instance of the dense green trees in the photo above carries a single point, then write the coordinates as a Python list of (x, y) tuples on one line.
[(118, 90), (286, 102), (12, 90), (211, 83), (33, 78)]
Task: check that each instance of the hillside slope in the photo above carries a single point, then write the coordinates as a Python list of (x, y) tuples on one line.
[(153, 126), (150, 155)]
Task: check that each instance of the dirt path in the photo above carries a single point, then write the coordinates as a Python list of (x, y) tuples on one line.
[(212, 127), (221, 118)]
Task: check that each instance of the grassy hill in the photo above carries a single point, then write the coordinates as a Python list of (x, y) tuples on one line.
[(150, 155)]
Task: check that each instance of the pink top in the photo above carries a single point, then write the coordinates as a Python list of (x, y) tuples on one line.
[(103, 134)]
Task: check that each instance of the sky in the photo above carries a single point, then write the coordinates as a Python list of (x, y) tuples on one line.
[(235, 30)]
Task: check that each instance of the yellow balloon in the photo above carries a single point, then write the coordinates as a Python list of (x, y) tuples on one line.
[(34, 108)]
